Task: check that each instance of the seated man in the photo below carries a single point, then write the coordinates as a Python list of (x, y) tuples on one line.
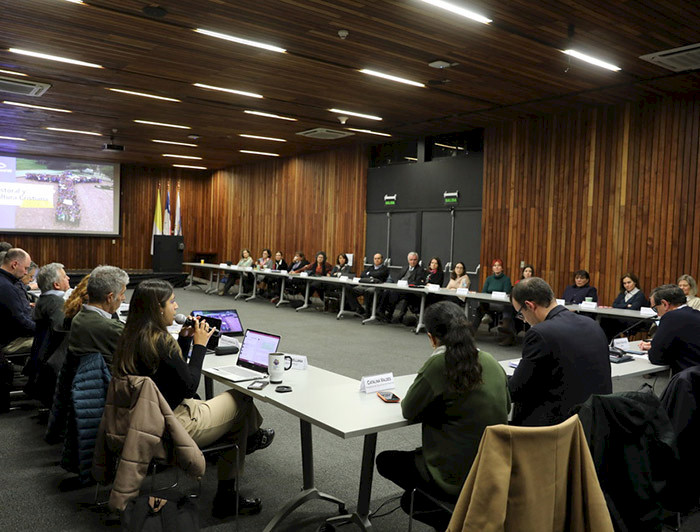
[(299, 263), (565, 358), (17, 330), (378, 272), (95, 329), (415, 276), (677, 339)]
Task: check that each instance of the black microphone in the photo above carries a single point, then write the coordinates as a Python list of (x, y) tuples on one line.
[(616, 354), (189, 321), (622, 333)]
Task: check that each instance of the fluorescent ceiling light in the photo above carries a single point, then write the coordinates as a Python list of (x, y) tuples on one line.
[(148, 122), (12, 73), (176, 143), (260, 153), (75, 1), (369, 131), (2, 137), (182, 156), (54, 58), (18, 104), (261, 138), (591, 60), (352, 113), (74, 131), (238, 40), (390, 77), (190, 166), (270, 115), (411, 158), (134, 93), (232, 91), (448, 146), (458, 10)]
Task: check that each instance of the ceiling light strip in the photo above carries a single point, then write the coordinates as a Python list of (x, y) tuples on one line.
[(392, 78), (54, 58), (74, 131), (232, 91), (190, 166), (260, 153), (270, 115), (12, 73), (368, 131), (592, 60), (144, 95), (150, 123), (31, 106), (353, 113), (182, 156), (239, 40), (174, 142), (457, 10), (3, 137), (261, 138)]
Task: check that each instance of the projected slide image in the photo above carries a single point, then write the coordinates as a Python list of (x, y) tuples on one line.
[(57, 196)]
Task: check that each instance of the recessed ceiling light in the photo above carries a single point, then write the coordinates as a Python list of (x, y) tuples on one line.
[(176, 143), (369, 131), (2, 137), (232, 91), (148, 122), (457, 10), (449, 147), (155, 97), (352, 113), (392, 78), (239, 40), (18, 104), (54, 58), (190, 166), (411, 158), (270, 115), (182, 156), (591, 60), (260, 153), (261, 138), (76, 1), (12, 73), (74, 131)]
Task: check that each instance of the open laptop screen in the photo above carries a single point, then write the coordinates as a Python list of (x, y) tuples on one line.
[(230, 322), (255, 349)]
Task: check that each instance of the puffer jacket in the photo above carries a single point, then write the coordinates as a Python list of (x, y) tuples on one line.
[(138, 426)]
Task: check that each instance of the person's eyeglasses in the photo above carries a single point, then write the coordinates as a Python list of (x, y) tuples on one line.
[(653, 307), (519, 314)]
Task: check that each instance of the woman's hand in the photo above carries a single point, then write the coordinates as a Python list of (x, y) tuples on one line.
[(202, 332)]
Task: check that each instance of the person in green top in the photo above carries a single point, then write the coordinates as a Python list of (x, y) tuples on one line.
[(497, 282), (458, 392)]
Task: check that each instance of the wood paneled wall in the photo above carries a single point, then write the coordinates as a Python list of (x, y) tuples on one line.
[(309, 203), (608, 189)]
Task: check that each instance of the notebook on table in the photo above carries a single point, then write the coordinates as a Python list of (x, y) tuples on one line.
[(252, 358), (230, 321)]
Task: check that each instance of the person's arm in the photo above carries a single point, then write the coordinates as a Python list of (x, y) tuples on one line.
[(660, 352), (592, 293), (620, 301), (568, 295), (525, 378), (507, 285), (438, 278), (418, 398), (487, 285), (637, 301)]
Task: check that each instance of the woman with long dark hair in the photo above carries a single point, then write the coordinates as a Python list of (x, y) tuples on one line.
[(458, 392), (146, 348)]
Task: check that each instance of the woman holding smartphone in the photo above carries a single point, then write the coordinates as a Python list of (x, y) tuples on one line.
[(147, 349), (458, 392)]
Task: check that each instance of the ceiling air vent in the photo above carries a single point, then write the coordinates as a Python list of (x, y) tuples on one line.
[(324, 133), (25, 88), (676, 59)]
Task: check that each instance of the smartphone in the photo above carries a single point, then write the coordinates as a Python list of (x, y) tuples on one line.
[(388, 397), (257, 385)]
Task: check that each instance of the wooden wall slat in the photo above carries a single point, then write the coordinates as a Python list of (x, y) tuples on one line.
[(608, 189)]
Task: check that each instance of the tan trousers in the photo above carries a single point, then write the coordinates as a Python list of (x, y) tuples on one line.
[(18, 346), (208, 421)]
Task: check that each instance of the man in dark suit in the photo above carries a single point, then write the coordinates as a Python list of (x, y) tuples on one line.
[(376, 273), (677, 340), (414, 275), (565, 358)]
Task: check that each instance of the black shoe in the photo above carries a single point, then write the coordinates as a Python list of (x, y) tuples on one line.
[(224, 506), (260, 440)]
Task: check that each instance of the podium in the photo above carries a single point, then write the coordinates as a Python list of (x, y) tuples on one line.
[(168, 253)]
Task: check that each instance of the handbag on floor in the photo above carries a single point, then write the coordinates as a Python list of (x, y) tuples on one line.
[(154, 514)]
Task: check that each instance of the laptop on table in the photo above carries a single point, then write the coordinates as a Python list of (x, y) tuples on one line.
[(253, 357)]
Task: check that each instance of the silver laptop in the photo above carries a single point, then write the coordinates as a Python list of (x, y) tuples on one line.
[(252, 358)]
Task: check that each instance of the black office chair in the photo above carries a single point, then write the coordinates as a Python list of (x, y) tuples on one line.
[(443, 510)]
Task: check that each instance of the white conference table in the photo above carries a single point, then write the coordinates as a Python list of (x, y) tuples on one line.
[(335, 404)]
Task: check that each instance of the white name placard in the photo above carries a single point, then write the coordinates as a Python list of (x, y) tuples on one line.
[(588, 304), (647, 311), (499, 295), (561, 302), (377, 383), (402, 282), (298, 361), (463, 291), (267, 270), (356, 280), (223, 265), (304, 274), (432, 287)]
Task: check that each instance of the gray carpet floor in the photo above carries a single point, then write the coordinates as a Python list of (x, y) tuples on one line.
[(30, 475)]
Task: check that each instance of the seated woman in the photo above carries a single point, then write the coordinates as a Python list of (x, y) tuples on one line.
[(341, 268), (274, 283), (458, 392), (498, 281), (580, 290), (458, 279), (245, 262), (318, 268), (146, 348), (264, 263), (630, 297), (528, 271), (434, 273), (690, 289)]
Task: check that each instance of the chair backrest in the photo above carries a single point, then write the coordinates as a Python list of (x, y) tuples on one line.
[(532, 478)]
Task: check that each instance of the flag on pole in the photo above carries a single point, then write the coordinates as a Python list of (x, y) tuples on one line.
[(178, 220), (157, 220), (166, 213)]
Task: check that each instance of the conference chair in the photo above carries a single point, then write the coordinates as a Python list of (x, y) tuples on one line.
[(532, 478), (442, 510)]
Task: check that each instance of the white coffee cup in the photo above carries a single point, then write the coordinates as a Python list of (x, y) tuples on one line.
[(278, 363)]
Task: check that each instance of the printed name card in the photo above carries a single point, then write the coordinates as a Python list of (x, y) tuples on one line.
[(432, 287), (499, 295), (356, 280), (647, 311), (463, 291), (561, 302), (377, 383), (248, 268), (298, 361), (588, 305), (267, 270), (402, 282), (223, 265), (621, 343), (304, 274)]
